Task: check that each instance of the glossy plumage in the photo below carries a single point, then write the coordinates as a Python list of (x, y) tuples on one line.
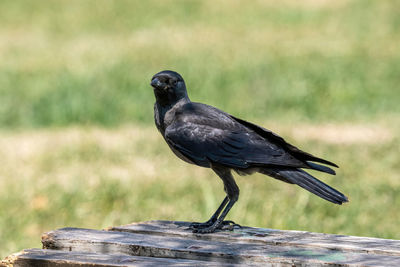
[(208, 137)]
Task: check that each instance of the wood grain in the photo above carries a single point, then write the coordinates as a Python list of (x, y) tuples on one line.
[(168, 243), (238, 252), (270, 236), (48, 257)]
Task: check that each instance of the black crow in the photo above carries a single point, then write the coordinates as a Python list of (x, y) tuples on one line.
[(208, 137)]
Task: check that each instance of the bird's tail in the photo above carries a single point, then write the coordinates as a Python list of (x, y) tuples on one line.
[(308, 182)]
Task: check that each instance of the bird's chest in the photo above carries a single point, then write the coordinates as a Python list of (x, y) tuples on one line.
[(163, 117), (180, 155)]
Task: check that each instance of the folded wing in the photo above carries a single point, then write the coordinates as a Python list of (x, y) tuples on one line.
[(204, 144)]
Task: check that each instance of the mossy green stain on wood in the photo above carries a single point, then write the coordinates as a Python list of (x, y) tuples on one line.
[(260, 232), (334, 256), (330, 255)]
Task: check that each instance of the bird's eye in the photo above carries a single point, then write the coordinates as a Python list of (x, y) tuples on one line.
[(175, 82)]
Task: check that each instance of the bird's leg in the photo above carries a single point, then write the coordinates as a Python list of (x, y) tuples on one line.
[(213, 218), (219, 222), (232, 191)]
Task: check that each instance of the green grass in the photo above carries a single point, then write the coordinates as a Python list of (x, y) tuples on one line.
[(96, 177), (67, 62), (77, 140)]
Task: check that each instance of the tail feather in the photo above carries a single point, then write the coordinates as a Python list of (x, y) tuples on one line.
[(321, 168), (310, 157), (310, 183)]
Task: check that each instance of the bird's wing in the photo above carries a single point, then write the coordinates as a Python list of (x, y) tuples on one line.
[(233, 148), (299, 154)]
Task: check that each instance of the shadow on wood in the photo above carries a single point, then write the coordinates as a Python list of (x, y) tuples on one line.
[(172, 243)]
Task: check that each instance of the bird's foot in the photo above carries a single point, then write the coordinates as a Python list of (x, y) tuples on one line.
[(210, 228), (197, 225), (206, 230), (229, 225)]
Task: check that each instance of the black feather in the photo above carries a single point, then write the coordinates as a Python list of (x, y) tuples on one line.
[(272, 137), (321, 168), (206, 136), (310, 183)]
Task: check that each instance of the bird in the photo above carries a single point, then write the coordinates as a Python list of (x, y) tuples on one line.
[(208, 137)]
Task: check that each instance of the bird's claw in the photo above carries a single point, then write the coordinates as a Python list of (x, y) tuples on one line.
[(210, 227), (229, 225), (197, 225), (206, 230)]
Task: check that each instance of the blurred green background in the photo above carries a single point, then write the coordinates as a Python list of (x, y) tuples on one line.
[(77, 140)]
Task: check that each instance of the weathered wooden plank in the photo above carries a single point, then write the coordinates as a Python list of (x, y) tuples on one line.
[(48, 257), (270, 236), (135, 244)]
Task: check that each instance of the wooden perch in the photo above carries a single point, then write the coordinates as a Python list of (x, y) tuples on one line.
[(169, 243)]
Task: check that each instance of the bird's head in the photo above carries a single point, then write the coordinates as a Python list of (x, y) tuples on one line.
[(169, 87)]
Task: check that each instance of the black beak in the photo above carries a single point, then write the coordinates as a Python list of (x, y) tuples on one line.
[(155, 83)]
